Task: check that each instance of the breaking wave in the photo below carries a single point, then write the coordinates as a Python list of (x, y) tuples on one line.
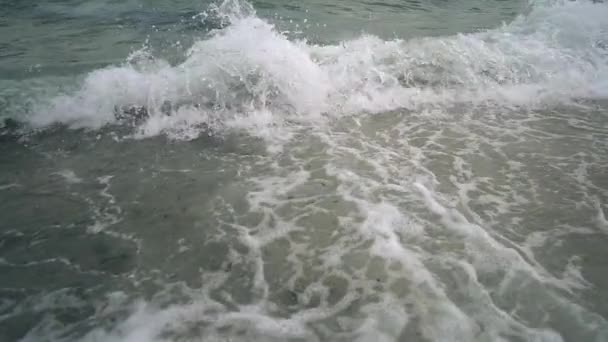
[(249, 75)]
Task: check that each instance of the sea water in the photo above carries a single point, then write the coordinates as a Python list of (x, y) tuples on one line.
[(348, 170)]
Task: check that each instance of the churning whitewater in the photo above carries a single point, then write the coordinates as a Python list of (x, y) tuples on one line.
[(265, 185), (249, 74)]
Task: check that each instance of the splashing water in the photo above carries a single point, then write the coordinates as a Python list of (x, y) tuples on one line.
[(443, 188), (248, 68)]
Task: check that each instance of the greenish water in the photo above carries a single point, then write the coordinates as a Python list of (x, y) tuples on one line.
[(307, 171)]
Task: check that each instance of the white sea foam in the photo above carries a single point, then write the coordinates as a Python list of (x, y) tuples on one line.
[(69, 176), (109, 213), (250, 76), (9, 186)]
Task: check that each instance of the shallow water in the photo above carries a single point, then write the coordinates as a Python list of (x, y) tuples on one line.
[(343, 171)]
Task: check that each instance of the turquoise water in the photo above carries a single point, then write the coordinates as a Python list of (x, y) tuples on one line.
[(306, 171)]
